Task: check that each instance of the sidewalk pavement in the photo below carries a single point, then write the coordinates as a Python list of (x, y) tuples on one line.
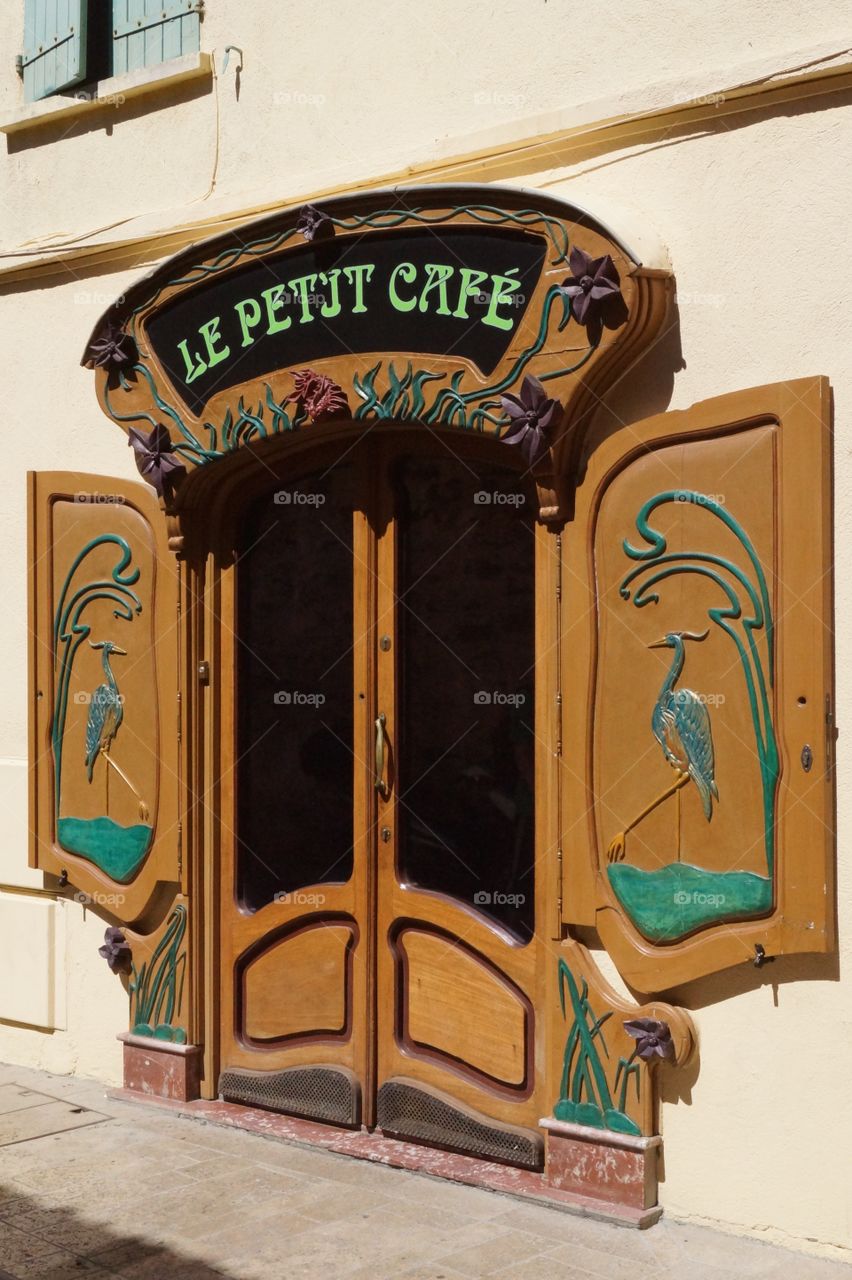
[(145, 1194)]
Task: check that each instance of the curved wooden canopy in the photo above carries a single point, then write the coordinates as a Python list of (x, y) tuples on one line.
[(492, 310)]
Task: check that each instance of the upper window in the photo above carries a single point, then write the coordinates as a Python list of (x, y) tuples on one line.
[(69, 42)]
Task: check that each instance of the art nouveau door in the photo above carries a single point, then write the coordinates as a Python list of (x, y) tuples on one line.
[(379, 894)]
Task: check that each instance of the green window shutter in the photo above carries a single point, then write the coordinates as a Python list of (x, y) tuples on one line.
[(54, 46), (146, 32)]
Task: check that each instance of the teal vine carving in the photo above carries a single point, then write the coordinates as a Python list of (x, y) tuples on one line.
[(248, 425), (117, 850), (382, 220), (403, 398), (584, 1092), (747, 620), (156, 990)]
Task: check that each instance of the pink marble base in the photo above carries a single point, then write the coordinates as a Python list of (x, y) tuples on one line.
[(614, 1168), (158, 1069), (364, 1145)]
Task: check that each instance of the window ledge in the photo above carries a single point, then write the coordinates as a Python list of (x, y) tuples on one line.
[(113, 92)]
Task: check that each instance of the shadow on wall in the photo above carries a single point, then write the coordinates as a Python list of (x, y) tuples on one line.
[(701, 993), (105, 116), (644, 390), (776, 974), (53, 1240)]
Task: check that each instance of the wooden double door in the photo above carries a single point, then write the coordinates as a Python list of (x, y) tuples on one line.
[(378, 934)]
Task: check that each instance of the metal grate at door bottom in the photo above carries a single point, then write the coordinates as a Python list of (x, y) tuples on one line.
[(408, 1111), (329, 1094)]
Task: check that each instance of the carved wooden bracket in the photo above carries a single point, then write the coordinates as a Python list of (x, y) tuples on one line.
[(606, 1049)]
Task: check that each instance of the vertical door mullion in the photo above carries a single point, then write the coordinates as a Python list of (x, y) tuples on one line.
[(387, 674), (364, 580)]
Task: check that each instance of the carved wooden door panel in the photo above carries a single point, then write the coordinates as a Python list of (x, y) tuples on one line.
[(701, 610), (379, 887), (104, 640), (295, 881), (105, 752), (455, 763)]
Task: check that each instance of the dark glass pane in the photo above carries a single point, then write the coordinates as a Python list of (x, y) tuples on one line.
[(294, 689), (466, 614)]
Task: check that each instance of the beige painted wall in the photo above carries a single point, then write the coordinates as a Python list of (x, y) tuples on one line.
[(754, 212)]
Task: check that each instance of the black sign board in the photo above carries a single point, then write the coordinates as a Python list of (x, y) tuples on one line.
[(447, 291)]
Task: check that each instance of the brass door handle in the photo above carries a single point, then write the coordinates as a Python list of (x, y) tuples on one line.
[(381, 786)]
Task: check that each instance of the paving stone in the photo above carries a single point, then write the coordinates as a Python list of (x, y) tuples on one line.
[(51, 1116), (555, 1228), (63, 1230), (153, 1195), (433, 1271), (600, 1263), (541, 1269), (506, 1248), (17, 1247), (436, 1195), (327, 1202), (65, 1266)]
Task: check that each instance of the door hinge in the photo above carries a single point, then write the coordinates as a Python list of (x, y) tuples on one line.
[(180, 849), (19, 65), (203, 670), (558, 934), (830, 733)]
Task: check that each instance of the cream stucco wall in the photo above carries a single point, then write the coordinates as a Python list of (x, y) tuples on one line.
[(754, 212)]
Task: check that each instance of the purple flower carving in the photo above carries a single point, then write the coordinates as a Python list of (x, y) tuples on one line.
[(116, 951), (653, 1038), (313, 223), (155, 457), (595, 293), (114, 351), (531, 417)]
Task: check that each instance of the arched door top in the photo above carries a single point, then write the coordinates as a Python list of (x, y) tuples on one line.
[(491, 310)]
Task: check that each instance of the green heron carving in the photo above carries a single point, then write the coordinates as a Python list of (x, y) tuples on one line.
[(106, 712), (681, 724)]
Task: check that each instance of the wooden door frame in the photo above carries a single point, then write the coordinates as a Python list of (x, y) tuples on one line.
[(209, 615)]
